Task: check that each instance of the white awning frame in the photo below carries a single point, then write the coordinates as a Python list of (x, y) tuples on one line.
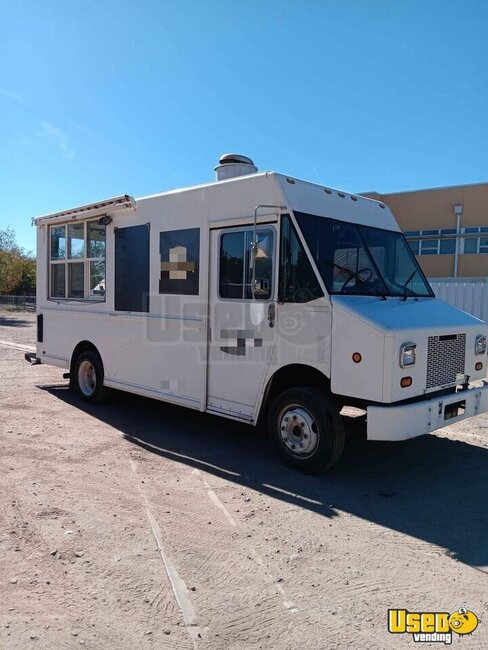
[(106, 206)]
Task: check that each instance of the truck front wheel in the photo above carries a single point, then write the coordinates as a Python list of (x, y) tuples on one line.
[(306, 428), (87, 378)]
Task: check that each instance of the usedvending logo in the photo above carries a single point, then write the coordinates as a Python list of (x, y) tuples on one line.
[(429, 627)]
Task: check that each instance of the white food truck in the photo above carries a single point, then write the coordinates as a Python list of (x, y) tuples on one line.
[(260, 298)]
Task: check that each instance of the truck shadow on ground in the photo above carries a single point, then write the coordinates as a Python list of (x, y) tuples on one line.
[(9, 321), (430, 488)]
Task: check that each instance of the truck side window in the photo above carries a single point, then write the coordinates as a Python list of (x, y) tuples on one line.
[(235, 273), (77, 260), (298, 282), (231, 275)]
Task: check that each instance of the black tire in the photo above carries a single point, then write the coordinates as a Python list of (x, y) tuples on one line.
[(87, 378), (312, 438)]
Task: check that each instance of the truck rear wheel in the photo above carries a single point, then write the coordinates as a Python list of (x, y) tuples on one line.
[(87, 378), (306, 428)]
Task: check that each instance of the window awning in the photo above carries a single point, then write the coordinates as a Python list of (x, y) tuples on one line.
[(106, 206)]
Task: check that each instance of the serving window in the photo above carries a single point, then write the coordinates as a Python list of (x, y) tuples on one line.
[(77, 261)]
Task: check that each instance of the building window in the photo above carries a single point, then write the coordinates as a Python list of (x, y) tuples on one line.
[(476, 244), (447, 246), (77, 260), (483, 245), (415, 246), (235, 272), (415, 243), (431, 245)]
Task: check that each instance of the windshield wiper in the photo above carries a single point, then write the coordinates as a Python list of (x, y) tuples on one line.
[(405, 286), (353, 274)]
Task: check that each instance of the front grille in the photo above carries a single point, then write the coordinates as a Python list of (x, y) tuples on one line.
[(445, 359)]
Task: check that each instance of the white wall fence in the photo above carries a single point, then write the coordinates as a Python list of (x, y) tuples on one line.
[(468, 296)]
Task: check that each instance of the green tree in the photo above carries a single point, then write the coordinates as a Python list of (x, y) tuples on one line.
[(27, 282), (17, 267), (7, 240)]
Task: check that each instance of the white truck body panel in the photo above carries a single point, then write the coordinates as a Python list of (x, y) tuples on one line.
[(179, 350)]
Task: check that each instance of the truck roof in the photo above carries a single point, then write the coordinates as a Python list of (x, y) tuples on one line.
[(300, 195)]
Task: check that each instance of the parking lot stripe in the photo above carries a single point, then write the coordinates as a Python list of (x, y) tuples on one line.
[(178, 585), (18, 346), (215, 499)]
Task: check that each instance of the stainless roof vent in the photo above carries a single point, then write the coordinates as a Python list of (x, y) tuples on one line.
[(232, 165)]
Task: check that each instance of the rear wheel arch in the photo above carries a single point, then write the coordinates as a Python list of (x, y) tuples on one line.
[(87, 361), (82, 346)]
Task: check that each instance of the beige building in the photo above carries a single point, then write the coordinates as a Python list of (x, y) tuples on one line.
[(432, 218)]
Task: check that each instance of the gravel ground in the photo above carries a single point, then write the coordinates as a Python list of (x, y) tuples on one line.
[(137, 524)]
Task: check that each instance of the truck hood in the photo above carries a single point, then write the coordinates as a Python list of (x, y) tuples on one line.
[(375, 330), (395, 314)]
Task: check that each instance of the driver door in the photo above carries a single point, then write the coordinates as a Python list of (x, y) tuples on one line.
[(242, 328)]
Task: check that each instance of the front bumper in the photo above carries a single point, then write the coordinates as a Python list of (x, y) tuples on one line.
[(416, 419)]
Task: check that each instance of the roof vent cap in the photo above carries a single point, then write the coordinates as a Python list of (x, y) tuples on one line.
[(232, 165)]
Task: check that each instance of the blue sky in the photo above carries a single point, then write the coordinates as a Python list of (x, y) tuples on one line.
[(112, 97)]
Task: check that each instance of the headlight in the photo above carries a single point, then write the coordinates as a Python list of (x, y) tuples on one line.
[(480, 344), (408, 352)]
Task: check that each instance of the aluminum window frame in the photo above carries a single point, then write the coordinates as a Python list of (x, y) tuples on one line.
[(261, 228), (482, 231), (66, 261), (429, 246)]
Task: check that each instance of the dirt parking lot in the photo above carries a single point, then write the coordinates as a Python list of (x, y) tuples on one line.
[(136, 524)]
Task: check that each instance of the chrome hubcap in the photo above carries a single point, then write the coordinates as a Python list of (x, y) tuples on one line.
[(298, 430), (87, 378)]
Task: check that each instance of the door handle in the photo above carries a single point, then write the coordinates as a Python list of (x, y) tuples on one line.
[(271, 314)]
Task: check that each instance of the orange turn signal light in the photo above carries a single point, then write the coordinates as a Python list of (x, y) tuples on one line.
[(478, 366), (357, 358), (405, 382)]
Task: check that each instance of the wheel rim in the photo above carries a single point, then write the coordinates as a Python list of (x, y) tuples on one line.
[(87, 378), (298, 430)]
